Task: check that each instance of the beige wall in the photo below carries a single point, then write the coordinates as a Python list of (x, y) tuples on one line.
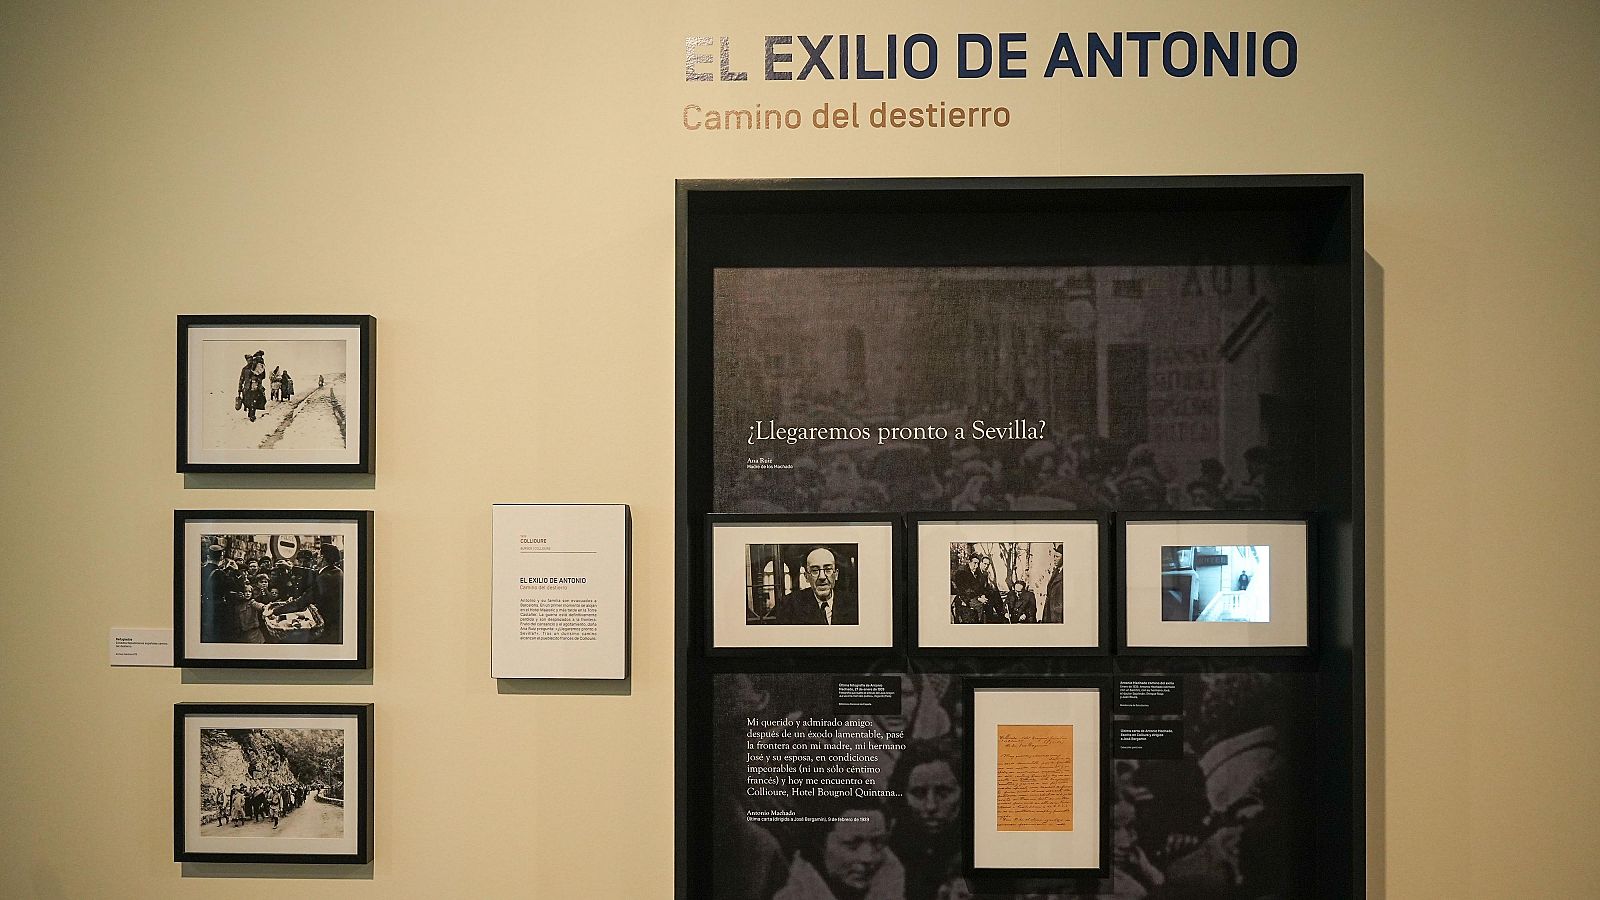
[(493, 181)]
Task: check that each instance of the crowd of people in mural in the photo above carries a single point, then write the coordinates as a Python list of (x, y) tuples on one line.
[(1210, 825), (1076, 470)]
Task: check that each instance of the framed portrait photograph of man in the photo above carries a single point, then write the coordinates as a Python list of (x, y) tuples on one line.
[(272, 589), (276, 393), (272, 783), (796, 583), (1216, 583), (997, 583)]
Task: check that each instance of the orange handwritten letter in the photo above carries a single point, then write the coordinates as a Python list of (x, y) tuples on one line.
[(1033, 788)]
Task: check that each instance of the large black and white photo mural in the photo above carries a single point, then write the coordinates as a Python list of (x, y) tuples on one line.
[(1106, 387)]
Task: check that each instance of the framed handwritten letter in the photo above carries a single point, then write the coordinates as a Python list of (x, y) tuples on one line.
[(1040, 771)]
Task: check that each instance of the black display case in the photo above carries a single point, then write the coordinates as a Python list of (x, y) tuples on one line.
[(1235, 300)]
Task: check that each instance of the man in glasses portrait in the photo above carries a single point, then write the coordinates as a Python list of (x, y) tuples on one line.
[(823, 603)]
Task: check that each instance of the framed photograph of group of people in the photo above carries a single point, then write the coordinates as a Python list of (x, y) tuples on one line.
[(1028, 582), (279, 589), (1000, 583), (272, 783)]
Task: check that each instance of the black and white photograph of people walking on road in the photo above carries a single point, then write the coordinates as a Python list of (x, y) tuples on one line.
[(1006, 583), (801, 584), (270, 395), (272, 588), (272, 782)]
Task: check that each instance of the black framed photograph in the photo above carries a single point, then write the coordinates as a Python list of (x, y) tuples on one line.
[(272, 783), (1216, 583), (996, 583), (1039, 773), (803, 582), (276, 393), (272, 589)]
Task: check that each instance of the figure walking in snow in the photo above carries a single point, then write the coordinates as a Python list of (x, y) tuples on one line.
[(252, 394)]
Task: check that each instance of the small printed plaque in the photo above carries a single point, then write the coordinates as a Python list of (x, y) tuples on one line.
[(1149, 697), (1149, 740), (141, 646), (867, 696), (561, 591)]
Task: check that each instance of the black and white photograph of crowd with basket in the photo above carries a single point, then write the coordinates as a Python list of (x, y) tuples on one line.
[(261, 393), (274, 589)]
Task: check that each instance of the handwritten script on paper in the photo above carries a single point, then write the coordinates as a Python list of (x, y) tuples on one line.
[(1034, 778)]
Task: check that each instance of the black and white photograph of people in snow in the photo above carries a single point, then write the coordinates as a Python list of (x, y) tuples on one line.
[(272, 589), (1005, 583), (265, 395), (1228, 821), (1138, 388), (272, 782)]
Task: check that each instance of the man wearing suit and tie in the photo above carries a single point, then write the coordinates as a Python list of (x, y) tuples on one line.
[(823, 603)]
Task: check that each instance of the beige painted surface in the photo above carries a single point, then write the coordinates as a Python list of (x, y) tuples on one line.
[(493, 181)]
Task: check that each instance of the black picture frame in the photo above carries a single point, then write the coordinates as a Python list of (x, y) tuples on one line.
[(361, 712), (990, 879), (1239, 516), (357, 596), (913, 521), (896, 574), (367, 390)]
